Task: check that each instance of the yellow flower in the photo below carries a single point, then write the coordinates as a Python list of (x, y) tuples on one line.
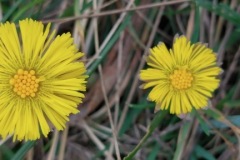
[(41, 80), (183, 77)]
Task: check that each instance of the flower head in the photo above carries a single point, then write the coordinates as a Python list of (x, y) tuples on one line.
[(183, 77), (41, 80)]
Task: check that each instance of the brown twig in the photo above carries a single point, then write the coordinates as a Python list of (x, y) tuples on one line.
[(117, 11), (135, 81), (64, 137)]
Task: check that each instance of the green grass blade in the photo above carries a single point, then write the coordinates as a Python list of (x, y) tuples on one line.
[(142, 106), (110, 44), (203, 153), (153, 154), (24, 9), (129, 120), (212, 113), (23, 150), (232, 103), (196, 29), (6, 152), (182, 138), (154, 124), (220, 9), (233, 119), (203, 124), (11, 10)]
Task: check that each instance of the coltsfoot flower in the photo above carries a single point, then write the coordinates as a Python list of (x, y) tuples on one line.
[(183, 77), (41, 80)]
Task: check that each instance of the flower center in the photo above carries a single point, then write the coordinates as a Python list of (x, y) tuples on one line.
[(25, 83), (181, 79)]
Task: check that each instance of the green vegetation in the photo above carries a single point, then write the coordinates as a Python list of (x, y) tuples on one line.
[(115, 37)]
